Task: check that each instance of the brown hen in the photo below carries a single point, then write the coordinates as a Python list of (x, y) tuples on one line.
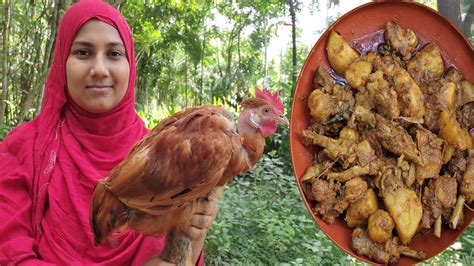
[(186, 157)]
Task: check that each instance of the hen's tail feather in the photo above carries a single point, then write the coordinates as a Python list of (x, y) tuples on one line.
[(105, 213)]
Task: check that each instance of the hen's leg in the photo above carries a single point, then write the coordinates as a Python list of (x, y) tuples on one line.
[(178, 249)]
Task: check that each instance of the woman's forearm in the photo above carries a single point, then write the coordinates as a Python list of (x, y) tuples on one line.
[(197, 248)]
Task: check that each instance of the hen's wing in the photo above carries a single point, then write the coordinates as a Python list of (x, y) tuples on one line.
[(181, 160)]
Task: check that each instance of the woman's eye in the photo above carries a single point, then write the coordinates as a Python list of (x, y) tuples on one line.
[(116, 54), (82, 53)]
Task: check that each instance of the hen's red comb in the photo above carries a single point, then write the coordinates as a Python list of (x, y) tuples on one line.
[(273, 98)]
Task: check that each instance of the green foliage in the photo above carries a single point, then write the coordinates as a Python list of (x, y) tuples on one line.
[(4, 131), (462, 251), (262, 220)]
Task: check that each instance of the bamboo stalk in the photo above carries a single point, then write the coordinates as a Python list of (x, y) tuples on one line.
[(457, 213), (437, 227)]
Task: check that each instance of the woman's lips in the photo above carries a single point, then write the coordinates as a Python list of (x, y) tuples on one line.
[(99, 89)]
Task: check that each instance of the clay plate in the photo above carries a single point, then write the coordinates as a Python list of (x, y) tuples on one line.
[(363, 28)]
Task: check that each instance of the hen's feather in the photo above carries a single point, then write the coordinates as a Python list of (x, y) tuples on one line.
[(181, 160)]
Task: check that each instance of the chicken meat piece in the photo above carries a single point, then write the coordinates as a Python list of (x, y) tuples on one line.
[(440, 95), (452, 75), (321, 105), (402, 40), (427, 65), (362, 115), (408, 171), (346, 149), (465, 115), (396, 139), (467, 184), (438, 197), (352, 172), (389, 179), (326, 102), (335, 148), (385, 97), (186, 157), (325, 193), (371, 136), (388, 252), (352, 191), (465, 92), (430, 147), (388, 65), (365, 163), (457, 164), (323, 79)]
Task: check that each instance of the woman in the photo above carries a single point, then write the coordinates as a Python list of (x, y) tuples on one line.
[(49, 166)]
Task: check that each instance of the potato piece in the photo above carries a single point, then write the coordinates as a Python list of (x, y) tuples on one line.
[(466, 92), (358, 73), (406, 210), (340, 54), (451, 131), (410, 97), (447, 95), (359, 212), (321, 105), (371, 56), (380, 226), (427, 64)]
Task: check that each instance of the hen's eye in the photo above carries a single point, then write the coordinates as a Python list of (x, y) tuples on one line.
[(266, 110)]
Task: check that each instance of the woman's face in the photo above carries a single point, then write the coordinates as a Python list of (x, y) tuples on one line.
[(97, 68)]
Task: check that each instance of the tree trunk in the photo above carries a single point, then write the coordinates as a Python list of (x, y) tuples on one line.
[(6, 30), (468, 19), (37, 91), (452, 10), (203, 48), (293, 41)]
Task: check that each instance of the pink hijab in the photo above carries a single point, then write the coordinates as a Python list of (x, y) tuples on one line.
[(49, 166)]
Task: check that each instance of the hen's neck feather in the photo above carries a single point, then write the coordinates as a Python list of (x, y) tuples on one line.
[(252, 140)]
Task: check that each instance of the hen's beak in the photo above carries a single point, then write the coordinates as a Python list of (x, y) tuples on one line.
[(282, 120)]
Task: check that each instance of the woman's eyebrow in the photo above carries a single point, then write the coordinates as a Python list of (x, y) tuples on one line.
[(113, 44), (84, 43), (88, 44)]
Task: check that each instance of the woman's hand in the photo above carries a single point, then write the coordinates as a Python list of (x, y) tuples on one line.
[(202, 219)]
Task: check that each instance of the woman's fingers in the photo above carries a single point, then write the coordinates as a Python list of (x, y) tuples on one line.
[(206, 207), (202, 221), (195, 233)]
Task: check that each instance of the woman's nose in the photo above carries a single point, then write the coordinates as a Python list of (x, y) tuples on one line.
[(99, 68)]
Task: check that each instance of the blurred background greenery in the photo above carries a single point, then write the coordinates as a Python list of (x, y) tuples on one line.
[(198, 52)]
